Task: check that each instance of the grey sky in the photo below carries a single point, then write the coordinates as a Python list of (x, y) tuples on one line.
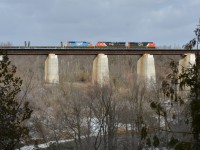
[(47, 22)]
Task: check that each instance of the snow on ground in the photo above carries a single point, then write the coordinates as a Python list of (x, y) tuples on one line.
[(32, 147), (27, 148)]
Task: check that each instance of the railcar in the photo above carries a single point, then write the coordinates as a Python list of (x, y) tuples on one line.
[(110, 44), (141, 44), (78, 44)]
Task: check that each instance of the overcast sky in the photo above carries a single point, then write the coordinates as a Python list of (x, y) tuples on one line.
[(48, 22)]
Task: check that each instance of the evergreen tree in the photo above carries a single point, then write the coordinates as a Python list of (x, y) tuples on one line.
[(13, 111), (188, 79), (191, 78)]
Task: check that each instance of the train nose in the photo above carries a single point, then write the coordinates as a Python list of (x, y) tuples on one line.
[(152, 45)]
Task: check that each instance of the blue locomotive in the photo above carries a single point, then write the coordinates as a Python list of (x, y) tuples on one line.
[(78, 44)]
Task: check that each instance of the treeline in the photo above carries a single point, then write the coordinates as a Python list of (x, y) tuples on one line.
[(110, 117), (125, 114)]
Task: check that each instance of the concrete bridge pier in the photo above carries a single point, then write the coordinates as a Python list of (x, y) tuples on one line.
[(1, 57), (146, 69), (186, 61), (100, 74), (51, 69)]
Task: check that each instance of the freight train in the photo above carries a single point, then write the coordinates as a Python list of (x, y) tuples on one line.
[(111, 44), (83, 44)]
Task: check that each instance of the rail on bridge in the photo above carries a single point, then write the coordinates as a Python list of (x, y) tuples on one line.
[(45, 50)]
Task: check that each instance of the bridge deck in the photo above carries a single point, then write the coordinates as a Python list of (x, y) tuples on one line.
[(91, 51)]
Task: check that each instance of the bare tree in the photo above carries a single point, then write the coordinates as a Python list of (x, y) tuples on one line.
[(104, 110)]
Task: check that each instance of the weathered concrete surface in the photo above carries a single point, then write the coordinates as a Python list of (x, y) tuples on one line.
[(100, 74), (187, 60), (146, 69), (51, 69)]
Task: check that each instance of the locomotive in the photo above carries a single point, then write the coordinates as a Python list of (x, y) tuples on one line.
[(142, 44), (81, 43), (112, 44)]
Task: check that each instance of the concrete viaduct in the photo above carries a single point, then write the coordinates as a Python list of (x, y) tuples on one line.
[(100, 73)]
